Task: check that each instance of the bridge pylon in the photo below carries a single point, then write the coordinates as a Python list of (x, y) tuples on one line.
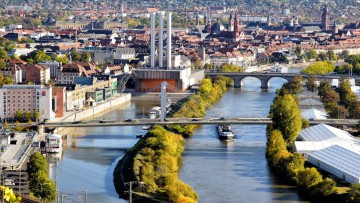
[(163, 101)]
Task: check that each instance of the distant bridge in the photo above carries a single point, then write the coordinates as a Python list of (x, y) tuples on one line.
[(265, 77), (189, 121)]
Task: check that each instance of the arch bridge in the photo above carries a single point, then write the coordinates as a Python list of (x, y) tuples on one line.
[(265, 77)]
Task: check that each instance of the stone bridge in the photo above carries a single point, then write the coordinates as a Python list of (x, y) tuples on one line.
[(265, 77)]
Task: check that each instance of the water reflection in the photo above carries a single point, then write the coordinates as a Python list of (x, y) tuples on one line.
[(235, 171)]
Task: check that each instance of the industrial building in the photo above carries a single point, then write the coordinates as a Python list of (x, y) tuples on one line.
[(180, 77), (331, 149), (338, 161)]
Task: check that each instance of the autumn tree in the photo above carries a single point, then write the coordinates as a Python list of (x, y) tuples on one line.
[(286, 116), (320, 68), (308, 177), (311, 84), (323, 188)]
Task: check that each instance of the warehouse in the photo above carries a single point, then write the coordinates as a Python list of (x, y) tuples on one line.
[(338, 161), (322, 132)]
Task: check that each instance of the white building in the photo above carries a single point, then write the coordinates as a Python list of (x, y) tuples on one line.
[(26, 97), (54, 68), (338, 161)]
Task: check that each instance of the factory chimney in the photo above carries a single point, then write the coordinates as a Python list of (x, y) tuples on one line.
[(168, 32), (152, 48), (161, 39)]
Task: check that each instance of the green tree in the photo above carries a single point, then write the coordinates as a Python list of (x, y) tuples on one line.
[(85, 56), (8, 80), (275, 142), (320, 68), (3, 53), (18, 115), (6, 125), (286, 117), (75, 56), (231, 68), (14, 56), (36, 114), (323, 56), (331, 54), (344, 54), (354, 193), (27, 115), (26, 40), (311, 54), (324, 188), (308, 177), (39, 183), (62, 59), (311, 84), (2, 64), (347, 96), (324, 87), (36, 57), (298, 50), (1, 79), (294, 164)]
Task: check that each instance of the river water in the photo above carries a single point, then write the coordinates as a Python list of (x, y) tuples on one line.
[(219, 171)]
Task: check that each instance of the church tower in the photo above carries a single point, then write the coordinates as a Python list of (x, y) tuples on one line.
[(231, 23), (236, 34), (325, 21)]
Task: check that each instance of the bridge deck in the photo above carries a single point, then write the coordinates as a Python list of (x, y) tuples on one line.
[(193, 121)]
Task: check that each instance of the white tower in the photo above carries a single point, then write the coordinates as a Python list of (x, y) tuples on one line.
[(161, 39), (292, 22), (168, 32), (152, 48)]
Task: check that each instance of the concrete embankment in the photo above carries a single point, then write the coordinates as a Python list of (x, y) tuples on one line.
[(98, 109)]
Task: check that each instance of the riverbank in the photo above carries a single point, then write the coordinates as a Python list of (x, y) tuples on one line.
[(92, 112)]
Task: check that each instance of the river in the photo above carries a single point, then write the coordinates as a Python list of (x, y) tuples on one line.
[(219, 171)]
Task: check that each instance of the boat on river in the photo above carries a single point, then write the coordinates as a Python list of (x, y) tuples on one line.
[(53, 143), (225, 132)]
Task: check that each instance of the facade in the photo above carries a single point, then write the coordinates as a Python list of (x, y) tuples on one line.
[(59, 95), (54, 67), (150, 79), (37, 74), (76, 98), (26, 98), (14, 72), (71, 70)]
